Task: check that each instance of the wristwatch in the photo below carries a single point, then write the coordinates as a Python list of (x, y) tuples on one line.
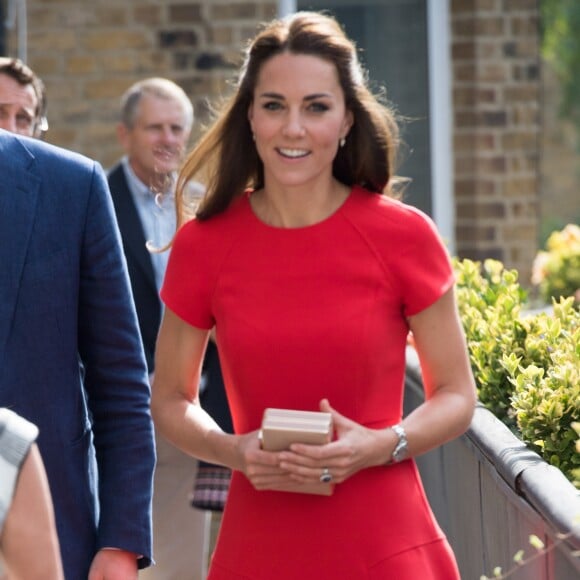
[(401, 448)]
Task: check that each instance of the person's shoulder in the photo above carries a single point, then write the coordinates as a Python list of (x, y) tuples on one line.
[(118, 183), (213, 238), (388, 214), (31, 151), (116, 172), (224, 224)]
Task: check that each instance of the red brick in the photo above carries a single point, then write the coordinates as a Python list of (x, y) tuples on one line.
[(185, 13), (231, 11), (520, 187)]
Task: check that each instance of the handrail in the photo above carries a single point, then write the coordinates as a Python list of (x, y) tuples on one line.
[(544, 487)]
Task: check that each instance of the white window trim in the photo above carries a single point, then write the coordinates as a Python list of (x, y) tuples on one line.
[(286, 7), (441, 119)]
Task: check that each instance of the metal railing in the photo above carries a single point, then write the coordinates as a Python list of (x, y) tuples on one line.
[(490, 492)]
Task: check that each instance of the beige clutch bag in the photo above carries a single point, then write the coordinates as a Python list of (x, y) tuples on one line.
[(282, 427)]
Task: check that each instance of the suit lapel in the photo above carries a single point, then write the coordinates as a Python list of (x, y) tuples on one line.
[(130, 224), (19, 189)]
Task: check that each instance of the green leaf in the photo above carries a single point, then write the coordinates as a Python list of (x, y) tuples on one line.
[(535, 542)]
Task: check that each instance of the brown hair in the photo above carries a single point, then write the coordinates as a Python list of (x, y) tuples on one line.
[(226, 155), (24, 75)]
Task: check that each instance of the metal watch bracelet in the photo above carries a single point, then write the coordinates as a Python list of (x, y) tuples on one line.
[(401, 449)]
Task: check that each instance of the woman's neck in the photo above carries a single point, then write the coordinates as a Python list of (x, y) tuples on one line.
[(294, 207)]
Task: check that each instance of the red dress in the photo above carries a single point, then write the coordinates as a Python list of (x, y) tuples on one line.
[(304, 314)]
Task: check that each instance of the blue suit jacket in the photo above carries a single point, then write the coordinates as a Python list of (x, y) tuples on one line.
[(71, 359)]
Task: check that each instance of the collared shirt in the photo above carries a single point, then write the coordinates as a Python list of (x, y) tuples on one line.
[(157, 214)]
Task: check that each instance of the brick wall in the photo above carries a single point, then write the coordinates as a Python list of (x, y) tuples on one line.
[(496, 92), (89, 52)]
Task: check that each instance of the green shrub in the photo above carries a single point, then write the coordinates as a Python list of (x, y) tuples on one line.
[(490, 301), (556, 270), (546, 399), (525, 366)]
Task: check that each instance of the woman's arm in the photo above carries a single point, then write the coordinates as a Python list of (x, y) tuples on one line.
[(179, 417), (450, 393), (174, 398), (29, 541)]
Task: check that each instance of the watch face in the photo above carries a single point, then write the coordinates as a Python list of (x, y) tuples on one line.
[(400, 453)]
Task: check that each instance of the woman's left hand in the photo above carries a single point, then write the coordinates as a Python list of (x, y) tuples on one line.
[(356, 447)]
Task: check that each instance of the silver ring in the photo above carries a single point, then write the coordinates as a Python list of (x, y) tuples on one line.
[(326, 476)]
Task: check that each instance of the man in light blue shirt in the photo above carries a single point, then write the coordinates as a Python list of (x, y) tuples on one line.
[(154, 129), (155, 125)]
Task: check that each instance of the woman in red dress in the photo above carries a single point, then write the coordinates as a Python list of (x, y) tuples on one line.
[(313, 275)]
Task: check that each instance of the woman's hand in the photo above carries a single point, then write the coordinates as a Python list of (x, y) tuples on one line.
[(262, 468), (355, 448)]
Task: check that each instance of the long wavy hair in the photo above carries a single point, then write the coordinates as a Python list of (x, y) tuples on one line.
[(226, 159)]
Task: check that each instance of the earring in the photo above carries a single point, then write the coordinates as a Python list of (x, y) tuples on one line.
[(342, 141)]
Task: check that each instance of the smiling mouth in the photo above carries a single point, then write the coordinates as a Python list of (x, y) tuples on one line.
[(293, 153), (165, 153)]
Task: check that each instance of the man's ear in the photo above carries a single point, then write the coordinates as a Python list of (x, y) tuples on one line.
[(122, 133)]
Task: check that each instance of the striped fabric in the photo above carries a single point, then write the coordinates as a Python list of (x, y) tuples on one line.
[(210, 488), (16, 437)]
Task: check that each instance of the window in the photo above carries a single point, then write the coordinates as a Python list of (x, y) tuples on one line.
[(392, 39)]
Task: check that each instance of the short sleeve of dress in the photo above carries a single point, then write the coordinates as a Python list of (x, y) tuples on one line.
[(16, 437), (424, 270), (188, 283)]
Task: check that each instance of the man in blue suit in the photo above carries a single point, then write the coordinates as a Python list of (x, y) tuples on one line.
[(71, 359)]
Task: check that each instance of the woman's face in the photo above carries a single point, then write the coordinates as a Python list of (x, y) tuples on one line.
[(298, 117)]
